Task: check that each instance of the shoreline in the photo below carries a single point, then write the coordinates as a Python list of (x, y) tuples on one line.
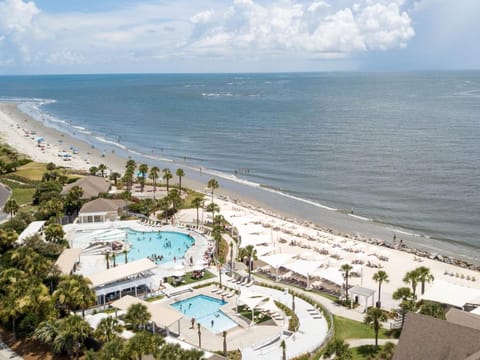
[(13, 122)]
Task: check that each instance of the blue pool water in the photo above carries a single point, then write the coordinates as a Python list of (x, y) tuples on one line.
[(167, 245), (205, 309)]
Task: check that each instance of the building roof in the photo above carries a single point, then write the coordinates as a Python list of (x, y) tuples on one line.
[(162, 315), (451, 294), (92, 186), (463, 318), (33, 228), (102, 205), (425, 337), (121, 272), (67, 260), (362, 291)]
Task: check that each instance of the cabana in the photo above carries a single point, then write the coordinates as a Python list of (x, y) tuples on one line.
[(126, 276), (162, 315), (276, 261), (303, 267), (67, 260), (364, 292), (451, 294), (250, 299), (331, 274)]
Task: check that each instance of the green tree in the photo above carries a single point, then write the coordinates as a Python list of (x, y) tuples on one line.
[(131, 164), (51, 166), (283, 345), (412, 278), (46, 191), (380, 277), (212, 185), (180, 173), (250, 253), (7, 240), (154, 173), (424, 276), (108, 329), (407, 301), (345, 269), (433, 309), (144, 343), (137, 316), (93, 170), (128, 178), (114, 176), (197, 202), (11, 207), (54, 233), (339, 348), (73, 200), (74, 293), (167, 175), (102, 168), (175, 199), (375, 317), (113, 349), (143, 168)]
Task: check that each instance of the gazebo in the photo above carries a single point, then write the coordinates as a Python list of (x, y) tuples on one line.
[(364, 292)]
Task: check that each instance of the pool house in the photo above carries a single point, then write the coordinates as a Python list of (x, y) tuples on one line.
[(131, 278)]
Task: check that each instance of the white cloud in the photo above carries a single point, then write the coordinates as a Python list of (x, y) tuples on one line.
[(166, 31)]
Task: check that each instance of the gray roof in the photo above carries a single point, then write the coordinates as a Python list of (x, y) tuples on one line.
[(92, 186), (425, 337), (102, 205), (463, 318), (362, 291)]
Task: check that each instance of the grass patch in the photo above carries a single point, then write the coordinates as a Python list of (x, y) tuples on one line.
[(191, 194), (32, 171), (258, 316), (188, 279), (23, 196), (351, 329), (155, 298)]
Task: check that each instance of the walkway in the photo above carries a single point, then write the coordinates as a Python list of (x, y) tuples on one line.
[(361, 342), (7, 354)]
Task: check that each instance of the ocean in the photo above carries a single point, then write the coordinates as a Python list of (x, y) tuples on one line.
[(375, 153)]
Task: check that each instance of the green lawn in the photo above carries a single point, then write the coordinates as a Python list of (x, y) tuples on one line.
[(351, 329), (187, 279), (23, 196), (32, 171)]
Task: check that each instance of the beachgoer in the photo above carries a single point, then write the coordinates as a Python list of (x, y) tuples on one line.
[(193, 323), (189, 305), (212, 322)]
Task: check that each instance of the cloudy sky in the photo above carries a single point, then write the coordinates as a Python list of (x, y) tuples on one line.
[(99, 36)]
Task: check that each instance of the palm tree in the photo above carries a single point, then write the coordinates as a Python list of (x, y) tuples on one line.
[(407, 301), (375, 317), (180, 173), (143, 168), (199, 336), (212, 184), (154, 171), (424, 275), (107, 259), (11, 207), (339, 348), (93, 170), (197, 202), (128, 178), (283, 345), (380, 277), (113, 349), (175, 199), (143, 343), (433, 309), (345, 269), (54, 233), (137, 316), (74, 293), (75, 331), (125, 252), (412, 278), (108, 329), (224, 334), (251, 253), (102, 168), (167, 175), (114, 176), (131, 164)]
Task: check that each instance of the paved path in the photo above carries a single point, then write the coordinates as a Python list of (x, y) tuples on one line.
[(4, 195), (361, 342), (7, 354)]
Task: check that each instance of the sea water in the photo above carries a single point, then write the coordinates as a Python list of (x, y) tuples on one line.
[(390, 152)]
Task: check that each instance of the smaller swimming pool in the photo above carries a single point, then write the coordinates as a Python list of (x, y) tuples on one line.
[(206, 311)]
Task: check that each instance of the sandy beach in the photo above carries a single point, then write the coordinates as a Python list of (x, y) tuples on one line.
[(280, 235)]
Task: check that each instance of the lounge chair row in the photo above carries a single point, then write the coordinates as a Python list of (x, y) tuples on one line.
[(224, 293)]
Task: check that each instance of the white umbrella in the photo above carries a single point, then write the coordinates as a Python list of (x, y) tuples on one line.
[(198, 268), (178, 273)]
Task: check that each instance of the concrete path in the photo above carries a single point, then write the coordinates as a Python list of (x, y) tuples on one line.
[(7, 354), (361, 342)]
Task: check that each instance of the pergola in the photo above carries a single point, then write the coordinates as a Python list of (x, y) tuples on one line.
[(364, 292), (303, 267), (250, 299), (276, 261)]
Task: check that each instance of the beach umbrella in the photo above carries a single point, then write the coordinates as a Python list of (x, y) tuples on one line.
[(178, 273), (198, 268), (40, 139)]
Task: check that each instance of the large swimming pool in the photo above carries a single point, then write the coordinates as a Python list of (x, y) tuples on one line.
[(206, 311), (160, 247)]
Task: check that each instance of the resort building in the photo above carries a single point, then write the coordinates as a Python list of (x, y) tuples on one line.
[(425, 337), (68, 261), (101, 210), (130, 278), (92, 186)]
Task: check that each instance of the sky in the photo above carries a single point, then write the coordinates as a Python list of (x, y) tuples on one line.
[(178, 36)]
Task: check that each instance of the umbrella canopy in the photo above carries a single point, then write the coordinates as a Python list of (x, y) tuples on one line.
[(178, 273), (198, 268)]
